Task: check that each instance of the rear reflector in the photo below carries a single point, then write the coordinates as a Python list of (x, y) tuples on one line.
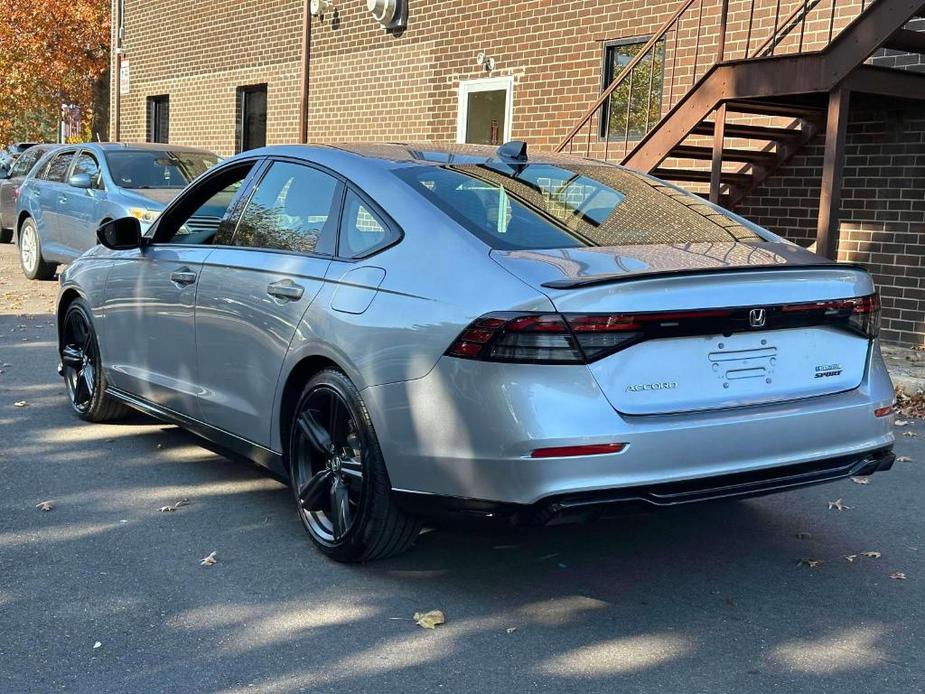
[(883, 411), (572, 451)]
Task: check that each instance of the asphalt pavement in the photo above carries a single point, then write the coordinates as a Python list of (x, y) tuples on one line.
[(105, 592)]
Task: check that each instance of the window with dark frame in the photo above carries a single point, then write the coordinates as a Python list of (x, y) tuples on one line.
[(158, 119), (632, 109), (251, 117)]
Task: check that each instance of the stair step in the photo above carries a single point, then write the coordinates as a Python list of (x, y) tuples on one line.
[(775, 108), (907, 41), (748, 156), (701, 175), (748, 132)]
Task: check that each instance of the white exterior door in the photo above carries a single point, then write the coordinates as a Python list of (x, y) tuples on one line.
[(485, 110)]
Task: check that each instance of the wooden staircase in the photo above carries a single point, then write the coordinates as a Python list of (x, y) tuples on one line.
[(748, 111)]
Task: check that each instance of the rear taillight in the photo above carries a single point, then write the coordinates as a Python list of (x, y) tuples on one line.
[(16, 193), (581, 338), (861, 314)]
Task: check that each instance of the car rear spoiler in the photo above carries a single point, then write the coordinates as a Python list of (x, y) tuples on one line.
[(577, 283)]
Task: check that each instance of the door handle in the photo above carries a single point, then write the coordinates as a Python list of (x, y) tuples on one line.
[(62, 199), (183, 276), (287, 290)]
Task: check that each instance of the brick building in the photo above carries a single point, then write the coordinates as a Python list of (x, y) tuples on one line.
[(229, 75)]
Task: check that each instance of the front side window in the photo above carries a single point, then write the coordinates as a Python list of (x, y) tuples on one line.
[(293, 209), (86, 164), (57, 167), (636, 105), (544, 206), (139, 169)]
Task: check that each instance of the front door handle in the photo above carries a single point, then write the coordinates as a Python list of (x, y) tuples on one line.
[(287, 290), (183, 276)]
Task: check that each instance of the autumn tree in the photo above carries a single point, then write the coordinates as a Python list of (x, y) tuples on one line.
[(52, 52)]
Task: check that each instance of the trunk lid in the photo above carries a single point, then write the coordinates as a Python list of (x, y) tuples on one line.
[(715, 363)]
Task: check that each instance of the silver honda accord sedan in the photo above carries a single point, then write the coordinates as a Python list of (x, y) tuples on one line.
[(402, 331)]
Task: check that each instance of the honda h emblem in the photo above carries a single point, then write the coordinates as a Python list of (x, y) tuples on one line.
[(757, 317)]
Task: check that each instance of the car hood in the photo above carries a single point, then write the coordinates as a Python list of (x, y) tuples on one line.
[(158, 195), (581, 265)]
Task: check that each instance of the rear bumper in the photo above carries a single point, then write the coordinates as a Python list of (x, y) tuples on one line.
[(467, 429), (720, 487)]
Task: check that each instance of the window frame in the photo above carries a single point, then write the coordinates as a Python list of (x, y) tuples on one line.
[(484, 84), (241, 94), (397, 235), (607, 78), (152, 104)]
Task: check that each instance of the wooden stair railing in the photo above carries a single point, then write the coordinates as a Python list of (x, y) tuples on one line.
[(756, 98)]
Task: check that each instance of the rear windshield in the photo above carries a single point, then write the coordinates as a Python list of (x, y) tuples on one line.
[(157, 169), (537, 206)]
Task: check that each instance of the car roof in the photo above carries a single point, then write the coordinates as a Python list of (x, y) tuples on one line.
[(389, 155), (141, 147)]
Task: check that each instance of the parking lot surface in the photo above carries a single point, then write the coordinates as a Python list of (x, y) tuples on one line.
[(105, 592)]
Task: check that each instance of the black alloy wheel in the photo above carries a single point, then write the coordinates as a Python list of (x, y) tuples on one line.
[(338, 475)]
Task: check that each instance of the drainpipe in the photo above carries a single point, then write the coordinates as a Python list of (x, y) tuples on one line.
[(306, 56), (118, 9)]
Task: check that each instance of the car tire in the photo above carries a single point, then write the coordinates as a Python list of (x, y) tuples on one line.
[(338, 476), (30, 253), (82, 367), (6, 235)]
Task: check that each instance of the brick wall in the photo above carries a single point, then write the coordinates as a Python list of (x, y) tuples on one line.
[(882, 212), (367, 83)]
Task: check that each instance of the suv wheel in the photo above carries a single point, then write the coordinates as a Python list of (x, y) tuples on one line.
[(342, 490), (30, 253)]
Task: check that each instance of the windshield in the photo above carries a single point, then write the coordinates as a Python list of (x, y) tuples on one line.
[(157, 168), (541, 206)]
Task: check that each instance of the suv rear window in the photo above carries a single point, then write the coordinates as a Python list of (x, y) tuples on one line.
[(541, 206)]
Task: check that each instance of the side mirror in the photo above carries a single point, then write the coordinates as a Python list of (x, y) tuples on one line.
[(120, 234), (81, 180)]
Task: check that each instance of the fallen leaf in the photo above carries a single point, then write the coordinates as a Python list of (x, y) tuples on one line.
[(209, 560), (804, 536), (511, 630), (837, 505), (903, 459), (429, 620), (182, 502), (871, 555), (811, 563), (20, 403), (167, 509), (909, 433), (900, 422), (45, 506), (97, 644), (861, 480), (851, 557), (898, 576)]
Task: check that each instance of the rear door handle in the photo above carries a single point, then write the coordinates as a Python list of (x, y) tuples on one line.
[(183, 276), (287, 290)]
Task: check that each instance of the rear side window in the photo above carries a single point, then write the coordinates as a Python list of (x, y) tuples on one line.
[(57, 167), (543, 206), (293, 209), (25, 162), (362, 232)]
